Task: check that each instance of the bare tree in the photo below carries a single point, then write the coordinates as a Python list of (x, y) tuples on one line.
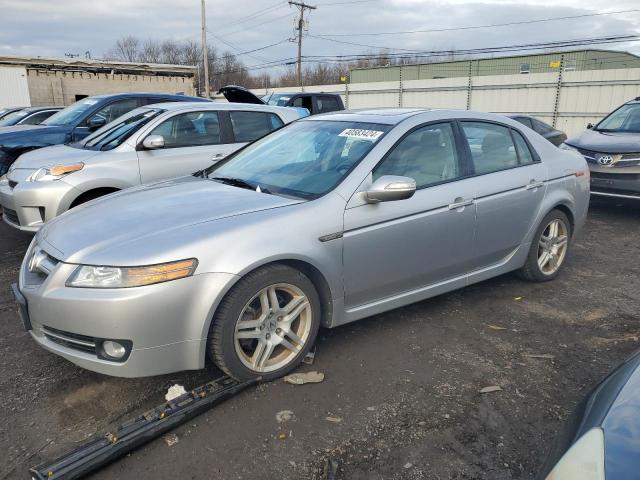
[(126, 49), (151, 51)]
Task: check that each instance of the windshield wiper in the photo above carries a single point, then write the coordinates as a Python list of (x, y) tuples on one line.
[(238, 182)]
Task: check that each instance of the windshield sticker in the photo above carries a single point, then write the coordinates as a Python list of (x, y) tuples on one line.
[(372, 135), (90, 102)]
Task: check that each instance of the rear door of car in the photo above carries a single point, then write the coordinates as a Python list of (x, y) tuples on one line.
[(510, 187), (392, 248), (193, 140)]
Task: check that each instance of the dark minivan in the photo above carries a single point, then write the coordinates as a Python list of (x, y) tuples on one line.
[(315, 102), (75, 122), (612, 150)]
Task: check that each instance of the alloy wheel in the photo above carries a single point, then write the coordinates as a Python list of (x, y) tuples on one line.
[(273, 328), (552, 247)]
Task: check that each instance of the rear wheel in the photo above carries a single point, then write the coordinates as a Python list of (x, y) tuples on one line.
[(548, 249), (266, 324)]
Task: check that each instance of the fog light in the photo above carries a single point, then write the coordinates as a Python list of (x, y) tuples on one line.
[(114, 349)]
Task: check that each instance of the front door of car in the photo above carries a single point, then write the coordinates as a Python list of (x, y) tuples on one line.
[(509, 189), (105, 114), (396, 247), (192, 141)]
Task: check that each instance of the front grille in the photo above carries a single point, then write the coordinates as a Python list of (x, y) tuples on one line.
[(625, 160), (75, 341), (616, 176), (11, 215)]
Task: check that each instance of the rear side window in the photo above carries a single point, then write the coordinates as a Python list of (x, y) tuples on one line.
[(491, 146), (249, 126), (524, 153), (327, 104), (36, 118), (428, 155), (190, 130)]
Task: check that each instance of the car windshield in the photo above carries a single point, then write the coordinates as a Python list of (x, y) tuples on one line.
[(116, 132), (12, 118), (305, 160), (277, 99), (72, 113), (624, 119)]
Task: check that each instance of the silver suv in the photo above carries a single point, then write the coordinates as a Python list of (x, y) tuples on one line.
[(145, 145)]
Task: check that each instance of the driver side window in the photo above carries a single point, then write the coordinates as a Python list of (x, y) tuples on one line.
[(190, 130), (115, 109), (428, 155)]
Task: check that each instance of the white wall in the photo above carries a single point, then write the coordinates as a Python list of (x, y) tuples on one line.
[(14, 90), (582, 96)]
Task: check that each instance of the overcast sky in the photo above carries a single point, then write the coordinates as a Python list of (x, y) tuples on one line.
[(53, 28)]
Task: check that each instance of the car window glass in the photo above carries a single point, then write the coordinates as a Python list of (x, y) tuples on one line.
[(73, 113), (541, 127), (13, 118), (524, 153), (428, 155), (624, 119), (36, 118), (190, 129), (491, 146), (115, 133), (304, 102), (249, 126), (327, 104), (524, 120), (116, 109)]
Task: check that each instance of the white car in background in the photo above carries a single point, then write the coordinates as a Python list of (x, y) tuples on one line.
[(148, 144)]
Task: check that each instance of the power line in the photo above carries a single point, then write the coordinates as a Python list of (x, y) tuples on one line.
[(244, 29), (474, 27), (252, 16)]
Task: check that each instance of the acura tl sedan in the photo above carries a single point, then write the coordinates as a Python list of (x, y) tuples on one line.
[(148, 144), (328, 220)]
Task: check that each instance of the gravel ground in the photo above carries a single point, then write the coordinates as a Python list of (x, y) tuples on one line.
[(401, 394)]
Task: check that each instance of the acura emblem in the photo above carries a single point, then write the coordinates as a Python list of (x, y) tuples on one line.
[(605, 159)]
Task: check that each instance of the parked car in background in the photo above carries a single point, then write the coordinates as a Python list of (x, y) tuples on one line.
[(554, 135), (612, 150), (147, 144), (28, 116), (328, 220), (75, 122), (600, 440), (4, 111), (314, 102)]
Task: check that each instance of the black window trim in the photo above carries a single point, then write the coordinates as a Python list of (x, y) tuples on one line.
[(534, 153), (460, 156)]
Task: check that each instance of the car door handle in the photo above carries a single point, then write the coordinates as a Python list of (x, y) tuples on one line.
[(460, 202), (533, 184)]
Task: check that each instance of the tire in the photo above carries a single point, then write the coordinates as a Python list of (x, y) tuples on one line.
[(552, 263), (252, 335)]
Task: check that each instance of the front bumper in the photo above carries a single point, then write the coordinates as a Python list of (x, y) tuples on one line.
[(617, 182), (166, 323), (29, 204)]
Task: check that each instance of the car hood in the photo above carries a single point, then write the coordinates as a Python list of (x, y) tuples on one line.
[(607, 142), (27, 131), (98, 231), (31, 161), (236, 94)]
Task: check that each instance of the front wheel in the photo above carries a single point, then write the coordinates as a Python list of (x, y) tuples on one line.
[(548, 248), (266, 324)]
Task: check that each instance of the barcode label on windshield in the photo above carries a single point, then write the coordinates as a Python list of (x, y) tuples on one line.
[(372, 135)]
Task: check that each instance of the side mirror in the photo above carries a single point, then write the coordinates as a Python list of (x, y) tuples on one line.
[(153, 142), (589, 126), (96, 122), (389, 188)]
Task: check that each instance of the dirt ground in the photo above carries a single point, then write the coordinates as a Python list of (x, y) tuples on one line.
[(401, 394)]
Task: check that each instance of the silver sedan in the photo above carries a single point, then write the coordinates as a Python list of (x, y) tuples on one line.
[(145, 145), (328, 220)]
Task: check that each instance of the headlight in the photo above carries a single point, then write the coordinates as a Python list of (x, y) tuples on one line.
[(3, 179), (54, 173), (584, 460), (89, 276), (566, 146)]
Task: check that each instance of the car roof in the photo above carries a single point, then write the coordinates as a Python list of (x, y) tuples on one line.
[(37, 109), (147, 94), (172, 106), (388, 116)]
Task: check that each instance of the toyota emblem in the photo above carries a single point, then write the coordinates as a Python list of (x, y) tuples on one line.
[(605, 159)]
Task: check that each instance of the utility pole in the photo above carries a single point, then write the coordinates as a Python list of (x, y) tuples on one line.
[(205, 55), (302, 7)]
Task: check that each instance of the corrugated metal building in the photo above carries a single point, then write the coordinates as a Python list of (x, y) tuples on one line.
[(578, 60), (26, 81)]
